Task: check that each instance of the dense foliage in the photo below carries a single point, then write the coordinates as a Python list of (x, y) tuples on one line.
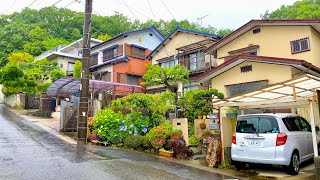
[(156, 75), (152, 105), (300, 9), (22, 75), (77, 69), (35, 31), (195, 102)]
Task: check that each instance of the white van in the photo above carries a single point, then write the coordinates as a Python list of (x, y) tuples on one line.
[(279, 139)]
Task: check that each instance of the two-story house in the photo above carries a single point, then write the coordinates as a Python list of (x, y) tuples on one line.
[(184, 47), (263, 52), (122, 59), (66, 56)]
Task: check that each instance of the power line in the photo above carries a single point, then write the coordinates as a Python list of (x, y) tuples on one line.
[(154, 18), (11, 6), (32, 3), (129, 8), (56, 2), (41, 3), (167, 9)]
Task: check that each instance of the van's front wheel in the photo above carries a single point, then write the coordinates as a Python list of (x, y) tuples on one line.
[(294, 166)]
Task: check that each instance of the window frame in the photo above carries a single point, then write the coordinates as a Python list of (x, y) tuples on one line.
[(301, 42), (138, 52)]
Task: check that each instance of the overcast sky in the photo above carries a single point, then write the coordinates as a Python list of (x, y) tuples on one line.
[(220, 13)]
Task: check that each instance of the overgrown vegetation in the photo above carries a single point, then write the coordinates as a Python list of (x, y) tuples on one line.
[(300, 9), (195, 102), (35, 31), (22, 75)]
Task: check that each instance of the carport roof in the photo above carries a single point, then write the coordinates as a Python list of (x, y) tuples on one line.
[(71, 86), (296, 89)]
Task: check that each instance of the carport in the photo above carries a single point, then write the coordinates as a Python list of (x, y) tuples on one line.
[(295, 93)]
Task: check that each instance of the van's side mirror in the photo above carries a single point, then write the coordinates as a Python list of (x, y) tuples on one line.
[(317, 128)]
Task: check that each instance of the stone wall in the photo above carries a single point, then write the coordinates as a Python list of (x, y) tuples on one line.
[(15, 100)]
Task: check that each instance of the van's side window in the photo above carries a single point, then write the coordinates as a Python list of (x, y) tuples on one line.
[(304, 125), (291, 123)]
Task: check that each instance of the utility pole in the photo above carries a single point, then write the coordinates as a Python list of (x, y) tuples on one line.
[(84, 87)]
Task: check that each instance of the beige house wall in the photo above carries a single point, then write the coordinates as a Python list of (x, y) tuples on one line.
[(274, 41), (179, 40), (260, 71)]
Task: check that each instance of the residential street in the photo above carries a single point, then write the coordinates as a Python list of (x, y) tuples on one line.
[(28, 152)]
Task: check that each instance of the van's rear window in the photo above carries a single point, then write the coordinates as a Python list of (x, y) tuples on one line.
[(257, 125)]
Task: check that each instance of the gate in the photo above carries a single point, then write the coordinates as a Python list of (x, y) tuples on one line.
[(70, 119)]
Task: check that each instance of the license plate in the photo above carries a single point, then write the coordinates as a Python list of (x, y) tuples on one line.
[(254, 143)]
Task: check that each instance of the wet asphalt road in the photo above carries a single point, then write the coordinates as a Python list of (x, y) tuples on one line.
[(28, 152)]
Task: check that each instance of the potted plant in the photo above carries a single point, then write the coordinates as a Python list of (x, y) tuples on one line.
[(206, 133), (166, 153), (176, 134), (232, 113)]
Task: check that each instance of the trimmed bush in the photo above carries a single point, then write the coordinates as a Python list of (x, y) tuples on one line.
[(133, 141)]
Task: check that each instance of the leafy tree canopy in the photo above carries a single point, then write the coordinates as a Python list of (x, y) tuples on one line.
[(300, 9), (77, 69), (35, 31), (157, 75)]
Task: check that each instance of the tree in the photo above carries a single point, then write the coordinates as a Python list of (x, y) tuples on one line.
[(104, 37), (77, 69), (12, 79), (36, 31), (300, 9), (157, 75), (57, 74), (20, 57), (194, 102)]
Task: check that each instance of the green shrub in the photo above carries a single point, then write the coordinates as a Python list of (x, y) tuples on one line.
[(193, 141), (56, 74), (77, 69), (133, 141), (135, 121), (145, 142), (176, 131), (106, 123), (159, 134)]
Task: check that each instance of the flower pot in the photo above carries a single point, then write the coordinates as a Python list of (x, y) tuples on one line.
[(95, 143), (204, 117), (199, 116), (175, 136), (206, 135), (203, 125), (232, 115), (166, 154)]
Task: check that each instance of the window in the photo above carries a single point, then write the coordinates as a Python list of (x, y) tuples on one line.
[(193, 61), (257, 125), (303, 124), (300, 45), (169, 64), (110, 54), (133, 80), (93, 59), (138, 52), (292, 123), (122, 78), (246, 68), (255, 31)]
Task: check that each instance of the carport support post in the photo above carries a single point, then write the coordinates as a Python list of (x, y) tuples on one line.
[(313, 129), (221, 136)]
